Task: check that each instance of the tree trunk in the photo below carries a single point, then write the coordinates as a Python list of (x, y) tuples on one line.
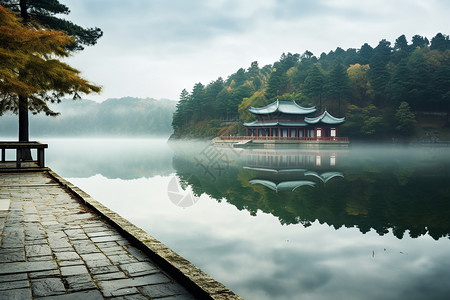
[(24, 134), (24, 11)]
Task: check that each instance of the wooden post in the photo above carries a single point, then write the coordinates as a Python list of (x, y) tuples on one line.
[(18, 157), (3, 154), (41, 162)]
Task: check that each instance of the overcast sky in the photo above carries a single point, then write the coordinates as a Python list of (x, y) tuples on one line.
[(155, 48)]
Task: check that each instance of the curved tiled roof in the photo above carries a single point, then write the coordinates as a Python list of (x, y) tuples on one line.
[(283, 186), (325, 177), (287, 107), (325, 118)]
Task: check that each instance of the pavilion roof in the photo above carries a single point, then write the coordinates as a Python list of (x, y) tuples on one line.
[(325, 118), (283, 186), (287, 107), (325, 177)]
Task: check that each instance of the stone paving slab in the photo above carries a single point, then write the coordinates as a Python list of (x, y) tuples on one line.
[(52, 246)]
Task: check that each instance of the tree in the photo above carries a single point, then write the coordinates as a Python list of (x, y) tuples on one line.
[(440, 42), (419, 79), (307, 54), (179, 118), (401, 44), (30, 73), (38, 13), (365, 54), (337, 84), (399, 84), (45, 12), (406, 120), (419, 42), (401, 49), (278, 83), (314, 85), (287, 61), (359, 83), (198, 101), (373, 123)]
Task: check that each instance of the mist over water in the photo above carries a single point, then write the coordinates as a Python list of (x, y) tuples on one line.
[(368, 222)]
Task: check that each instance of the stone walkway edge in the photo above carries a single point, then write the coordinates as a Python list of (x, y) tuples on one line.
[(195, 280)]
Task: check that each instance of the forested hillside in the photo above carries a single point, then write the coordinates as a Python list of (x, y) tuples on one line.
[(387, 91), (125, 116)]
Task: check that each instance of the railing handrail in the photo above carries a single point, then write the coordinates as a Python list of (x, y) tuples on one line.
[(278, 138), (20, 146)]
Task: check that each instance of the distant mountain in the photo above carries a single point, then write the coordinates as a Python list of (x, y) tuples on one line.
[(125, 116)]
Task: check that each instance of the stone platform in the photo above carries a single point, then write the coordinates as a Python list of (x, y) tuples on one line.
[(56, 244)]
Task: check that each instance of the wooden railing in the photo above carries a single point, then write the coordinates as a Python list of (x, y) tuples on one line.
[(20, 147), (278, 138)]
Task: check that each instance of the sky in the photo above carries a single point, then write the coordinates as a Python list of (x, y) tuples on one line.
[(157, 48)]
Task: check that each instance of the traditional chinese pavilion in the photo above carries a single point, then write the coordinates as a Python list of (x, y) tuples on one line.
[(286, 120)]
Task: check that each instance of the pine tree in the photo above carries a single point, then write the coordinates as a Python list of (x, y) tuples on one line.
[(31, 76), (46, 12), (406, 120), (314, 85), (40, 13)]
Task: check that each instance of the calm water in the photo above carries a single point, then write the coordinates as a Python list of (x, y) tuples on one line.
[(362, 223)]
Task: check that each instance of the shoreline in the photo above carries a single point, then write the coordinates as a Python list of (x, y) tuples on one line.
[(193, 278)]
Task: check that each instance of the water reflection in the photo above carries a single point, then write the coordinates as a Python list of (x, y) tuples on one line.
[(382, 189), (236, 231), (290, 170)]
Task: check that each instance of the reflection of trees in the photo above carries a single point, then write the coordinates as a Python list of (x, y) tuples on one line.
[(401, 193)]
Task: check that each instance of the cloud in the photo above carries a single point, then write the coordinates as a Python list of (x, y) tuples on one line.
[(157, 48)]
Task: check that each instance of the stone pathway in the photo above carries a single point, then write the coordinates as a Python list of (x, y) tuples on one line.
[(53, 247)]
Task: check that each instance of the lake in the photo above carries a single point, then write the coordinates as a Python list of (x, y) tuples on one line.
[(360, 223)]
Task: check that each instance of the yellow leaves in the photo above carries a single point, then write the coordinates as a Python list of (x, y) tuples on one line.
[(436, 58), (28, 64), (357, 70), (292, 72), (17, 37), (359, 79)]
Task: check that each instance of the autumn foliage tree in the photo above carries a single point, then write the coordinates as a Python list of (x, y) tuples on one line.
[(48, 13), (31, 74)]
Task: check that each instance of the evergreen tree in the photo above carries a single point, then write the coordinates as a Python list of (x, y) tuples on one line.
[(401, 44), (46, 12), (419, 79), (401, 49), (399, 84), (180, 117), (379, 76), (337, 84), (287, 61), (43, 13), (278, 83), (198, 101), (314, 85), (440, 42), (31, 76), (365, 54), (418, 42), (440, 87), (406, 120), (223, 100)]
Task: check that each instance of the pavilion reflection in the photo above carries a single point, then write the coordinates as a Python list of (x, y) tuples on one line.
[(289, 170)]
